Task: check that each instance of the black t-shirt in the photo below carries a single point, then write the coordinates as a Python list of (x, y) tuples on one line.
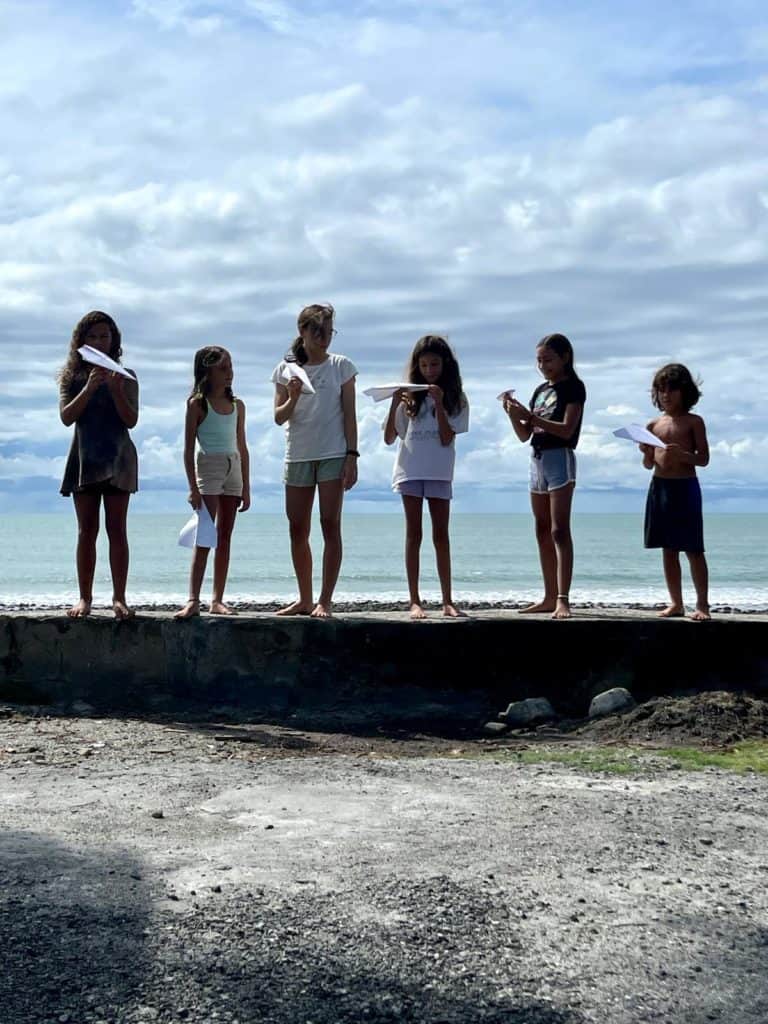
[(549, 402)]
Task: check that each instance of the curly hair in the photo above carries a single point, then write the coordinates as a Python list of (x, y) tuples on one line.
[(205, 358), (450, 377), (74, 368), (676, 377), (319, 318)]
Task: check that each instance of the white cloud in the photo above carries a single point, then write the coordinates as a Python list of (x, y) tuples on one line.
[(203, 170)]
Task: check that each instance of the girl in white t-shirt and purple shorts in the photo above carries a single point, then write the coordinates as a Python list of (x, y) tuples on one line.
[(320, 450), (427, 421)]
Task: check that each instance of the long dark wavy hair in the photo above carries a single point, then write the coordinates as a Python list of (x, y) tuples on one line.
[(319, 318), (675, 376), (75, 368), (562, 347), (205, 358), (450, 378)]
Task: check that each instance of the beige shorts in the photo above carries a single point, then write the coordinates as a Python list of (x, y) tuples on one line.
[(316, 471), (219, 473)]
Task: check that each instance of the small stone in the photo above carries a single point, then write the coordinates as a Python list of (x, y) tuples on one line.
[(611, 702), (215, 888), (532, 711), (157, 814), (495, 728), (267, 827)]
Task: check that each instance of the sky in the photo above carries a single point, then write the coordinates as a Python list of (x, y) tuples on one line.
[(490, 171)]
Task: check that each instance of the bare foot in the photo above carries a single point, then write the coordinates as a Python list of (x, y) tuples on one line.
[(701, 614), (563, 609), (417, 612), (295, 608), (674, 611), (80, 610), (219, 608), (450, 611), (189, 611), (322, 611), (122, 611), (539, 608)]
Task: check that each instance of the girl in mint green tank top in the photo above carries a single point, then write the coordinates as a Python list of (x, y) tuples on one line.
[(217, 465)]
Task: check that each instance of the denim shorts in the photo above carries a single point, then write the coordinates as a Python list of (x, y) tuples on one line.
[(426, 489), (552, 469), (314, 471)]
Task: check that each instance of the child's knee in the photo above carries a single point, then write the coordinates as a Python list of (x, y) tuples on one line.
[(561, 534), (331, 527), (88, 530)]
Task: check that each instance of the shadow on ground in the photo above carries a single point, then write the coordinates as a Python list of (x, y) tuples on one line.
[(72, 930)]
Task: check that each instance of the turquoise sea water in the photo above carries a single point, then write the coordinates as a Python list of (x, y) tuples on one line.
[(494, 559)]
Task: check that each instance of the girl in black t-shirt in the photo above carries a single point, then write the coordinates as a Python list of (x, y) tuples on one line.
[(552, 424)]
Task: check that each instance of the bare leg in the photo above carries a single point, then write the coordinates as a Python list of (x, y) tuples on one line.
[(542, 517), (700, 576), (413, 507), (560, 509), (197, 571), (115, 517), (225, 523), (331, 495), (673, 577), (298, 508), (440, 511), (87, 508)]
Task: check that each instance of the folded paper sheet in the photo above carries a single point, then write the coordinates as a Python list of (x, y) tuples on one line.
[(378, 394), (92, 355), (634, 432), (294, 370), (199, 531)]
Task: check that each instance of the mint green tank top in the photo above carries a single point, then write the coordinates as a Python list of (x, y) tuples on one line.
[(217, 432)]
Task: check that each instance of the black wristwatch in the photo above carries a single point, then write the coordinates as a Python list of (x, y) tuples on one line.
[(353, 452)]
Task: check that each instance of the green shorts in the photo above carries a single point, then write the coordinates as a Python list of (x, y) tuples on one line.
[(317, 471)]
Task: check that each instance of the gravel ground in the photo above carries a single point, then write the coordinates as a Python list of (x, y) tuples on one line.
[(159, 871)]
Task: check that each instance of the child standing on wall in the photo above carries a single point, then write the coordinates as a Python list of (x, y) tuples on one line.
[(673, 514), (218, 473), (102, 465), (427, 423), (552, 424), (320, 450)]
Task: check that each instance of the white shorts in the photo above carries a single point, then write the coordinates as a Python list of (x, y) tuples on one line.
[(552, 469), (219, 473)]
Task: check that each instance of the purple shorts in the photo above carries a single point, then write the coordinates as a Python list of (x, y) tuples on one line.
[(426, 489)]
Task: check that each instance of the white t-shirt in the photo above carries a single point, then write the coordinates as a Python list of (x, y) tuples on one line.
[(315, 429), (422, 455)]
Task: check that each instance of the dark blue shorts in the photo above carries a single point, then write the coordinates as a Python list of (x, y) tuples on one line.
[(673, 516)]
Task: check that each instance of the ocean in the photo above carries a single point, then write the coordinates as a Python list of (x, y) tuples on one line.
[(494, 560)]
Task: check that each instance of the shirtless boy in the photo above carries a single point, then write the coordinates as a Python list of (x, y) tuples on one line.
[(673, 517)]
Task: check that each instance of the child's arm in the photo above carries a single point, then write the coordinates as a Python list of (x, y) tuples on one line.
[(447, 433), (191, 423), (520, 418), (349, 476), (564, 429), (245, 460), (71, 411), (649, 450), (390, 430), (286, 397), (127, 405), (700, 454)]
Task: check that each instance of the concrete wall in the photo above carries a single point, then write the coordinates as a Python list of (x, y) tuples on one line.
[(373, 665)]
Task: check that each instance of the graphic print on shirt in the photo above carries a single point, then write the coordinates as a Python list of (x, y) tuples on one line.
[(544, 406)]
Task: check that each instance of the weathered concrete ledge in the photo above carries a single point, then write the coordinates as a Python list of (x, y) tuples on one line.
[(371, 666)]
